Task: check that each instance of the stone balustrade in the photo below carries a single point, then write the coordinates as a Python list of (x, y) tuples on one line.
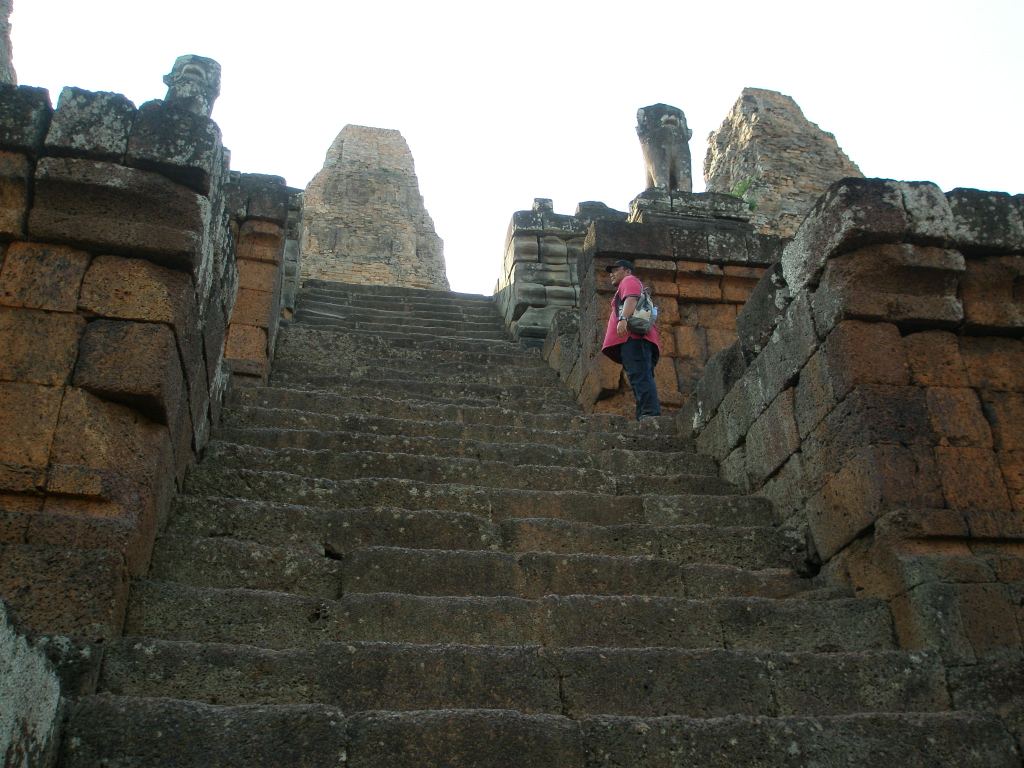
[(876, 394)]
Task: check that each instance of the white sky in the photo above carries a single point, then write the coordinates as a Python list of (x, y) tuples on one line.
[(505, 102)]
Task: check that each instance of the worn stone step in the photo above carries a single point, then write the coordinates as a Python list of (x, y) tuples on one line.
[(328, 531), (322, 319), (357, 320), (529, 397), (403, 305), (349, 369), (297, 344), (368, 292), (300, 429), (649, 682), (522, 451), (276, 620), (123, 732), (494, 503), (402, 315), (226, 563), (444, 469), (738, 534), (413, 418)]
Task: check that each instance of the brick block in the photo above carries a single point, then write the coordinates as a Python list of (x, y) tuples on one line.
[(668, 311), (719, 375), (991, 291), (985, 223), (41, 276), (245, 350), (134, 289), (698, 268), (708, 315), (956, 417), (38, 347), (772, 439), (870, 481), (691, 342), (266, 197), (176, 143), (737, 290), (993, 362), (858, 212), (964, 621), (108, 207), (136, 364), (763, 310), (786, 490), (971, 479), (871, 415), (791, 345), (258, 275), (694, 287), (719, 339), (896, 283), (99, 435), (14, 179), (255, 308), (78, 593), (28, 421), (24, 117), (934, 359), (90, 124), (262, 241)]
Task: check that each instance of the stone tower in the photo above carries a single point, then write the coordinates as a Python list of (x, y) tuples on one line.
[(776, 159), (7, 73), (363, 218)]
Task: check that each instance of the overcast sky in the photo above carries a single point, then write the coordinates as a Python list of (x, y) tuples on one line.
[(505, 102)]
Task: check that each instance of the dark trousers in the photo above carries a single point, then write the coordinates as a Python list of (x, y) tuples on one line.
[(638, 362)]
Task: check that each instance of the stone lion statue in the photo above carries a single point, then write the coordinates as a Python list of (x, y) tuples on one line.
[(665, 140), (193, 84)]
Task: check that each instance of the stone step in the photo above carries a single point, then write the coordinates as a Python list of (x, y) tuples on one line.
[(373, 292), (318, 318), (399, 439), (444, 469), (277, 620), (402, 315), (727, 532), (123, 731), (533, 399), (225, 563), (493, 503), (451, 303), (512, 418), (347, 368), (263, 425), (649, 682), (303, 344)]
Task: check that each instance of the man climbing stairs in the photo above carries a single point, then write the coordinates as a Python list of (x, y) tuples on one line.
[(412, 549)]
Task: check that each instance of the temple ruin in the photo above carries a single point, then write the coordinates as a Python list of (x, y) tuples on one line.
[(270, 494), (363, 219)]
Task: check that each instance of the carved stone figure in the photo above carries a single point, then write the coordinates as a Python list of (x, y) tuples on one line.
[(193, 84), (665, 140)]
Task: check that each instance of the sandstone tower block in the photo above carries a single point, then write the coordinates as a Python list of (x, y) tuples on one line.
[(776, 159), (363, 218)]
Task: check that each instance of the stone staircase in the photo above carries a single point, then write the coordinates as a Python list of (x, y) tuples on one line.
[(411, 549)]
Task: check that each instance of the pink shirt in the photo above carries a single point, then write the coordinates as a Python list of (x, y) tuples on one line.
[(630, 285)]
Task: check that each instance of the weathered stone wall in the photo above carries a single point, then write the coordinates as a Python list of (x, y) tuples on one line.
[(117, 282), (876, 395), (363, 218), (767, 152), (700, 271), (30, 701), (261, 216), (540, 276)]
